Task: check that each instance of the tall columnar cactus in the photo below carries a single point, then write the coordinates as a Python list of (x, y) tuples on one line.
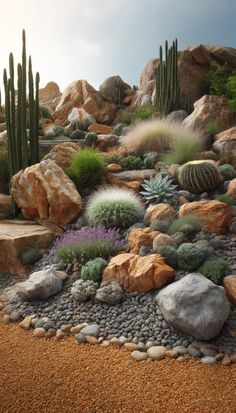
[(167, 80), (20, 153), (199, 176)]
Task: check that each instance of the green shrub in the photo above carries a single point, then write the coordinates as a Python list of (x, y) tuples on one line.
[(221, 81), (150, 160), (170, 254), (4, 172), (114, 207), (158, 189), (212, 128), (161, 225), (190, 256), (132, 162), (226, 199), (131, 115), (227, 171), (30, 256), (93, 269), (91, 139), (215, 270), (87, 168), (188, 224), (45, 112), (199, 176), (184, 149)]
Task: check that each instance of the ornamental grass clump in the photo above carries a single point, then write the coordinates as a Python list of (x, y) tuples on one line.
[(184, 149), (114, 207), (87, 244), (215, 270)]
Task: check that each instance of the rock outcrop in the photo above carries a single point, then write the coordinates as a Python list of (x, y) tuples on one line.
[(50, 95), (115, 90), (63, 153)]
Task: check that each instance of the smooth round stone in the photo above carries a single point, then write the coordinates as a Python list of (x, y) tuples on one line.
[(195, 353), (156, 352), (76, 329), (180, 358), (80, 338), (131, 346), (91, 330), (66, 328), (105, 343), (180, 349), (226, 360), (15, 316), (60, 334), (208, 352), (208, 360), (91, 340), (172, 354), (139, 355), (39, 332), (116, 342)]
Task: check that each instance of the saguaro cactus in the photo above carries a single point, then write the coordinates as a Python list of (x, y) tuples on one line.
[(21, 154), (167, 80)]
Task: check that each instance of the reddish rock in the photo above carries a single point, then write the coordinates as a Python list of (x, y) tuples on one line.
[(215, 216), (225, 142), (141, 237), (50, 95), (100, 129), (114, 167), (135, 273), (160, 212), (63, 153), (229, 284)]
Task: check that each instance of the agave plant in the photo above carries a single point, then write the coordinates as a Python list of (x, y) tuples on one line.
[(158, 189)]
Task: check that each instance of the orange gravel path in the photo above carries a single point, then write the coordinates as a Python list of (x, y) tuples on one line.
[(47, 376)]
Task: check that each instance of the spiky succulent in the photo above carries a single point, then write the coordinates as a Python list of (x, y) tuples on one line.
[(158, 189)]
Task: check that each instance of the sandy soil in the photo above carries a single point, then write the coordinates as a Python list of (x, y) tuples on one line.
[(47, 376)]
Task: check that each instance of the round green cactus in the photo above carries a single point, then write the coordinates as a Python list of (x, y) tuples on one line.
[(93, 269), (91, 139), (190, 256), (199, 176)]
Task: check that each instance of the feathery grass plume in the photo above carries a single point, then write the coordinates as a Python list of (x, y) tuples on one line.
[(157, 136), (184, 148), (114, 207)]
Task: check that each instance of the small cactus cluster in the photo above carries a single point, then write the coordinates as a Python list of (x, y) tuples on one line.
[(93, 269), (91, 139), (199, 176), (158, 189)]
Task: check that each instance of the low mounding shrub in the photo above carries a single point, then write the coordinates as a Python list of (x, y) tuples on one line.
[(4, 172), (132, 162), (170, 254), (188, 225), (114, 207), (87, 168), (157, 136), (158, 189), (87, 244), (131, 115), (215, 270), (190, 256), (93, 269), (30, 256), (227, 171)]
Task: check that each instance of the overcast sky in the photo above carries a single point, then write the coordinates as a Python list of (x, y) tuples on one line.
[(94, 39)]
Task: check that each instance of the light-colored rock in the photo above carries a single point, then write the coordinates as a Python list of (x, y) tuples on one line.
[(214, 216), (139, 355), (76, 329), (16, 236), (50, 95), (41, 284), (83, 118), (26, 323), (63, 153), (225, 142), (231, 190), (135, 273), (43, 191), (91, 340), (172, 354), (229, 284), (114, 167), (80, 94), (195, 306), (6, 210), (91, 330), (114, 89), (135, 175), (160, 212), (162, 240), (131, 346), (226, 361), (39, 332), (100, 129), (156, 352), (60, 334), (139, 237), (208, 109), (208, 360)]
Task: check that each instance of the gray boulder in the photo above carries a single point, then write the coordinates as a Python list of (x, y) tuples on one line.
[(194, 305), (41, 285), (177, 116)]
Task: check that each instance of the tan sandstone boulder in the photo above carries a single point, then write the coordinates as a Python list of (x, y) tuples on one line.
[(160, 212), (135, 273), (215, 216), (43, 191), (50, 95), (100, 129), (16, 236), (63, 153), (225, 142), (139, 237), (229, 284), (80, 94)]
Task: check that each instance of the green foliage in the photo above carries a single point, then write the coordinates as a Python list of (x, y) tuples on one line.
[(212, 128), (45, 112), (199, 176), (167, 80), (161, 225), (215, 270), (85, 251), (227, 171), (111, 157), (158, 189), (132, 162), (150, 160), (221, 81), (132, 115), (188, 224), (87, 168), (231, 90), (4, 172), (184, 149), (114, 208), (190, 256), (91, 139), (170, 254), (226, 199), (30, 256), (93, 269)]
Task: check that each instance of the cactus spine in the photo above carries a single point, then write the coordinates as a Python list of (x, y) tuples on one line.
[(199, 176), (167, 80), (20, 155)]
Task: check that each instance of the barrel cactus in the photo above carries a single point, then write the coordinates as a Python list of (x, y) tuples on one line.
[(199, 176)]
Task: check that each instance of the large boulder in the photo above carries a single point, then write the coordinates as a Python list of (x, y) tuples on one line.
[(210, 109), (225, 142), (135, 273), (195, 306), (41, 285), (80, 94), (17, 236), (50, 95), (139, 237), (43, 191), (114, 89), (63, 153), (214, 216), (160, 212)]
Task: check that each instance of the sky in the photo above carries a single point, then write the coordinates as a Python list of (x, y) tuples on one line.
[(94, 39)]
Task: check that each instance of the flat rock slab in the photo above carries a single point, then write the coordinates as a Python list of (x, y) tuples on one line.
[(15, 236)]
